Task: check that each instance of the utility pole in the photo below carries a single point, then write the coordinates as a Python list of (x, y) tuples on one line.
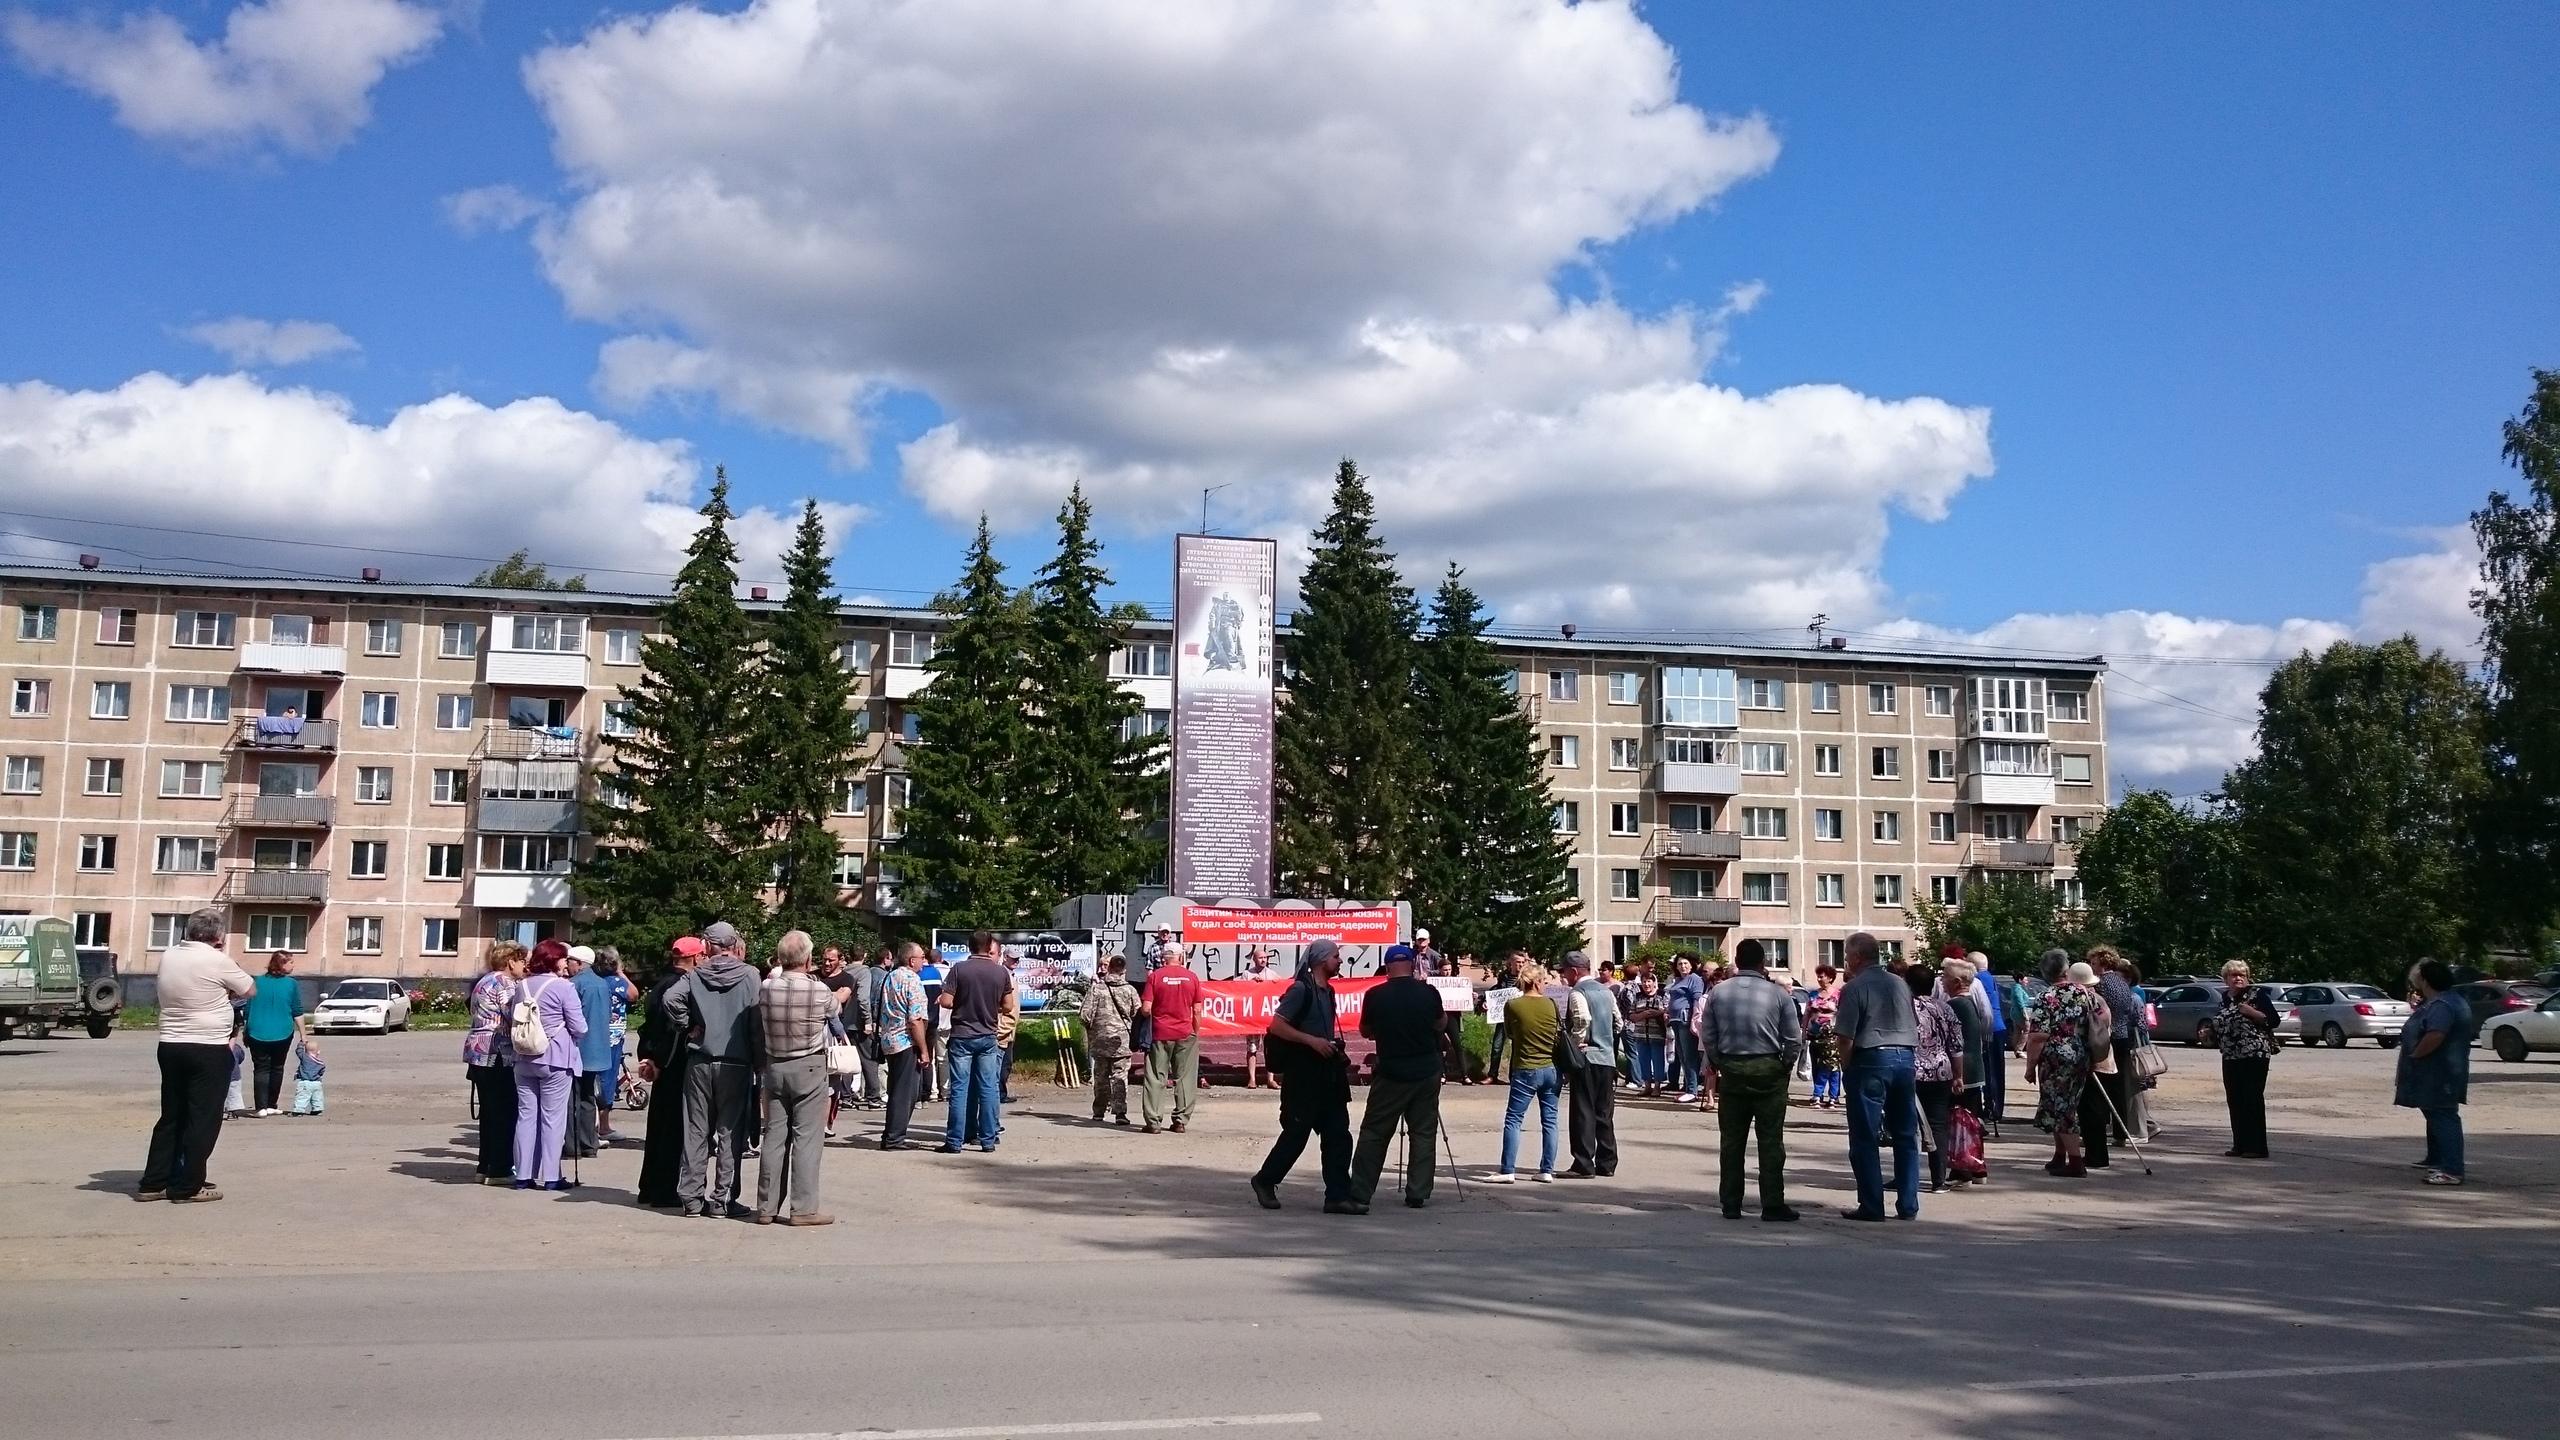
[(1205, 492)]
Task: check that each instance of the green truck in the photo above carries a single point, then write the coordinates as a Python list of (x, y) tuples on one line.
[(45, 980)]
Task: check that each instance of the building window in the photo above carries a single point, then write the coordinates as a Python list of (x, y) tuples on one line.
[(17, 850), (1946, 889), (1568, 817), (1829, 825), (289, 630), (910, 726), (448, 787), (1884, 762), (848, 869), (1764, 694), (2066, 829), (854, 657), (2008, 757), (1888, 951), (369, 860), (2071, 705), (547, 634), (1942, 764), (1834, 953), (98, 853), (622, 647), (1688, 883), (382, 637), (2003, 825), (1622, 946), (2006, 706), (1696, 750), (529, 780), (2070, 894), (910, 647), (444, 862), (1764, 822), (1764, 887), (1776, 951), (853, 795), (526, 854), (168, 927), (1626, 754), (380, 710), (453, 711), (185, 855), (1625, 818), (1564, 752), (364, 934), (1564, 684), (200, 704), (106, 777), (443, 936), (1889, 890), (31, 697), (1888, 829), (91, 928), (1626, 687), (111, 700), (618, 719), (896, 793), (116, 626), (1940, 700), (1881, 699), (1830, 890), (1700, 698), (1825, 699), (2071, 769), (191, 779), (203, 629), (1826, 759), (1942, 827), (373, 784), (612, 792), (22, 775), (1147, 661), (458, 640), (1626, 884), (1764, 757)]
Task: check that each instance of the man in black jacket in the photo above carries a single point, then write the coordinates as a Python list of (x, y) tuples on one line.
[(663, 1059), (1315, 1083), (1403, 1017)]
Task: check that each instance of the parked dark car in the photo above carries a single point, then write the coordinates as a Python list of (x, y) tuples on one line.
[(2186, 1011), (2496, 997)]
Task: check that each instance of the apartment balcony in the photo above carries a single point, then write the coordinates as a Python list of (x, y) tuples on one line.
[(528, 817), (545, 669), (268, 732), (900, 682), (253, 886), (1682, 777), (1678, 912), (1668, 844), (271, 658), (2011, 855), (502, 741), (282, 812), (1988, 787), (521, 892)]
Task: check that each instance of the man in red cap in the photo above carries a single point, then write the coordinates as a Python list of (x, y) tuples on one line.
[(662, 1063)]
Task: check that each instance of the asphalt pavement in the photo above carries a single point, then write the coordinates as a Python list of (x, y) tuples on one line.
[(1087, 1280)]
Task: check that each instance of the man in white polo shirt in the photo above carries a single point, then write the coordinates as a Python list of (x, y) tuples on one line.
[(198, 986)]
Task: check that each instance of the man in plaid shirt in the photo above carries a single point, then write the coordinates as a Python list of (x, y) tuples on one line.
[(794, 1010), (905, 1043)]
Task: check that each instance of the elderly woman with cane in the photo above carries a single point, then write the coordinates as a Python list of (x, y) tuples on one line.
[(2065, 1027)]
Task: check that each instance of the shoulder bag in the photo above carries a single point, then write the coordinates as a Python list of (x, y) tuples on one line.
[(525, 1030), (1568, 1049)]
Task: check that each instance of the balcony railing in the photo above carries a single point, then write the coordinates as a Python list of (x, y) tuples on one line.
[(493, 891), (270, 658), (1669, 844), (1685, 777), (547, 669), (282, 812), (1680, 912), (2011, 855), (502, 741), (285, 887), (267, 732), (527, 817)]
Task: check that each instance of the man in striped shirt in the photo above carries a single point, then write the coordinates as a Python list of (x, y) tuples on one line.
[(905, 1043)]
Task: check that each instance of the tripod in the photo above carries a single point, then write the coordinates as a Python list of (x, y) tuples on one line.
[(1448, 1147)]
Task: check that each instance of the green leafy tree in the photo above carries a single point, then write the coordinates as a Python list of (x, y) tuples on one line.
[(807, 746), (2171, 882), (2352, 812), (1093, 782), (520, 571), (1347, 769), (684, 845), (962, 852), (2517, 858), (2013, 919), (1490, 871)]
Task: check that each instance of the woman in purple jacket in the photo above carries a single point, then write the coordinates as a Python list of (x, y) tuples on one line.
[(543, 1081)]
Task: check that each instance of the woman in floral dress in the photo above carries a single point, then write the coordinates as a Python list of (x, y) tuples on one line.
[(491, 1061), (1822, 1037), (2059, 1060)]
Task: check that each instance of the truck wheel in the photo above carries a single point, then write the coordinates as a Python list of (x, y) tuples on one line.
[(101, 995), (39, 1030), (101, 1026)]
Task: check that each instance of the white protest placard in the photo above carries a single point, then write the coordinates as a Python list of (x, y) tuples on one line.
[(1457, 993)]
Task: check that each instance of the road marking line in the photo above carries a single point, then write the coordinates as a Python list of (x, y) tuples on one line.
[(2289, 1372), (1071, 1427)]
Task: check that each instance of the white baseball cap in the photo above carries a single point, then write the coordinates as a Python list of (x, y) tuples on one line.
[(1422, 935)]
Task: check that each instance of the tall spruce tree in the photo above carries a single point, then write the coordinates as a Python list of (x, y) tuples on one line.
[(1348, 768), (1491, 871), (1093, 783), (961, 850), (684, 846), (807, 746), (2517, 837)]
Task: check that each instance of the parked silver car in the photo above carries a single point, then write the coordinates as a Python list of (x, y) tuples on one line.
[(2186, 1012), (2334, 1014)]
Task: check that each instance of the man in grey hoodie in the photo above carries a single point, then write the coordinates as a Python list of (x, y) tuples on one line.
[(715, 1010)]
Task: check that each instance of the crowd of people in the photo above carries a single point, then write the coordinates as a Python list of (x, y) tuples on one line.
[(744, 1064)]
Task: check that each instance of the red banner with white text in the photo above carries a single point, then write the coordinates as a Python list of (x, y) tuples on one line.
[(1223, 925), (1243, 1007)]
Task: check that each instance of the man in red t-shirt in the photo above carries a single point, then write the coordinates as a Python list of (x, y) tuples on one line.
[(1172, 997)]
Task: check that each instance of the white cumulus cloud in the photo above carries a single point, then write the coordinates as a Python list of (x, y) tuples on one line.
[(449, 477), (487, 208), (246, 341), (295, 74)]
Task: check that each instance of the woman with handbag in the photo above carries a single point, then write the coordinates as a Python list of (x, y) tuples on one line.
[(1937, 1066), (2066, 1029), (544, 1009), (2244, 1028), (487, 1059), (1964, 996)]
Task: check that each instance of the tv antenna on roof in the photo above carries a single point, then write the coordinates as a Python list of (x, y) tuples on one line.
[(1820, 622)]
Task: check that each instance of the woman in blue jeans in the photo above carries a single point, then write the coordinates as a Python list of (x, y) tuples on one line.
[(2435, 1067), (1532, 1024)]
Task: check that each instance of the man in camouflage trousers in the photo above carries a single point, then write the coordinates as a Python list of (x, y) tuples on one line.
[(1110, 1007)]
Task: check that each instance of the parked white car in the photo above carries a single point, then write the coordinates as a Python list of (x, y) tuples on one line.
[(2515, 1034), (377, 1005)]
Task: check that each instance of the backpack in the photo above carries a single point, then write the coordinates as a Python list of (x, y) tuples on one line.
[(524, 1023)]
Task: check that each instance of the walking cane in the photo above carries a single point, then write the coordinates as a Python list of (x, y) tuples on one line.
[(2110, 1097)]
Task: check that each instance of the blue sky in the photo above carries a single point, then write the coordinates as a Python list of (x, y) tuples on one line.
[(2193, 325)]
